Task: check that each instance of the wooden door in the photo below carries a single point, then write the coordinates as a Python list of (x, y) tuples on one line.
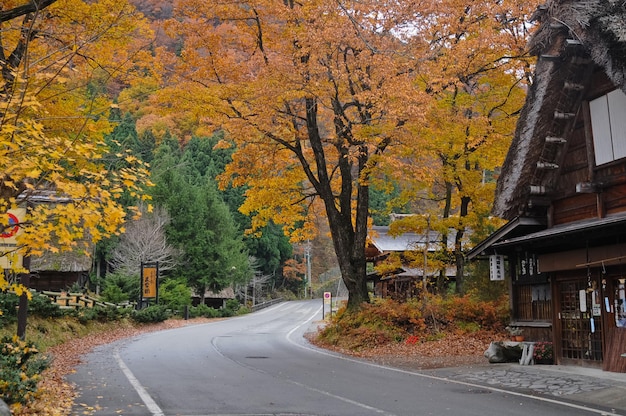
[(580, 324)]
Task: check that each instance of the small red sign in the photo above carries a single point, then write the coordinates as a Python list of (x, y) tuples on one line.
[(13, 227), (327, 297)]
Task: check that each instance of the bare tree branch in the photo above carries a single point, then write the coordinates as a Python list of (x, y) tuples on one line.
[(144, 241)]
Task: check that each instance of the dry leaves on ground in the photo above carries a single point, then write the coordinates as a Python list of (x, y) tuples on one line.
[(55, 396), (452, 350)]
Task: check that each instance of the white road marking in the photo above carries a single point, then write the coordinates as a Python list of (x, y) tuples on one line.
[(151, 405), (304, 386), (444, 379), (155, 410)]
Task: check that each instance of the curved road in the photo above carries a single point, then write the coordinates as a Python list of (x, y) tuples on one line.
[(259, 364)]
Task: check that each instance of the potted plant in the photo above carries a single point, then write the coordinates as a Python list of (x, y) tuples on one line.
[(543, 353), (516, 333)]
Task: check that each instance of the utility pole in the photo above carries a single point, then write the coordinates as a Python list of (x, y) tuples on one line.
[(424, 274), (307, 284)]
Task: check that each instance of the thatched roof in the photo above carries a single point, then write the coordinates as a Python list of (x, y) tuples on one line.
[(573, 37), (69, 261), (226, 293)]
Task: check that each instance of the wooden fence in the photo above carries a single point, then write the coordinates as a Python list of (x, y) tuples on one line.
[(68, 300)]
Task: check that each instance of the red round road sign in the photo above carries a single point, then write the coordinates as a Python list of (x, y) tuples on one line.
[(11, 229)]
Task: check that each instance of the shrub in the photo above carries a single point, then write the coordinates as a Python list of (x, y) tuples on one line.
[(8, 308), (175, 294), (39, 305), (243, 309), (233, 305), (463, 310), (374, 324), (114, 294), (20, 369), (101, 314), (385, 320), (119, 288), (42, 305), (543, 351), (204, 311), (151, 314)]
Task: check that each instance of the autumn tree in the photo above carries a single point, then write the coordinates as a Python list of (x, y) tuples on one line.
[(313, 96), (60, 61), (477, 80)]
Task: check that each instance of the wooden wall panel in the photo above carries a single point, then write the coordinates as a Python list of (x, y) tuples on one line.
[(575, 208), (615, 347), (615, 199)]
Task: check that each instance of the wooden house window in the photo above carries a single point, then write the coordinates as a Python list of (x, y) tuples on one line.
[(533, 302), (608, 123)]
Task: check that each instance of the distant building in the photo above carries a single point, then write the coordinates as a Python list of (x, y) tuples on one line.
[(212, 299), (403, 282)]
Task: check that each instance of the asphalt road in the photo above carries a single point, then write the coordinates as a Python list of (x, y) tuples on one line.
[(259, 364)]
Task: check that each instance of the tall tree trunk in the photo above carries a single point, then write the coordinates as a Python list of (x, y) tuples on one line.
[(459, 258), (349, 244), (347, 214), (351, 258)]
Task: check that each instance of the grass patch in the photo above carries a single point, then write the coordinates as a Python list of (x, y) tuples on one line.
[(50, 332)]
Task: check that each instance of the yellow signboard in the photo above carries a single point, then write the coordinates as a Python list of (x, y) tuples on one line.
[(149, 284), (9, 257)]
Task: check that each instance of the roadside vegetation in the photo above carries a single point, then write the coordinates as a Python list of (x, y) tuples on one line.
[(449, 327), (388, 322), (27, 381)]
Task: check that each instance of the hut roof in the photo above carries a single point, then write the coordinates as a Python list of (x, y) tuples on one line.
[(574, 38), (226, 293), (68, 261)]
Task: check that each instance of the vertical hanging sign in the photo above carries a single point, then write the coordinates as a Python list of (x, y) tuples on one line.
[(496, 267), (150, 281)]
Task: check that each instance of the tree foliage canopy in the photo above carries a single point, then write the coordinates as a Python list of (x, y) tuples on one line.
[(59, 63), (319, 101), (202, 227), (322, 98)]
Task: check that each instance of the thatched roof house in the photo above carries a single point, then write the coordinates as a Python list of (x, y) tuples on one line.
[(563, 188), (59, 271), (574, 39), (214, 299)]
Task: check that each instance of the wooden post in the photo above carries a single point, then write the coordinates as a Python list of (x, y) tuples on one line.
[(22, 310)]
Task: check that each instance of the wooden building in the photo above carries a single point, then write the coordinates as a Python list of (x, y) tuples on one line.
[(563, 188), (405, 282), (59, 271), (212, 299)]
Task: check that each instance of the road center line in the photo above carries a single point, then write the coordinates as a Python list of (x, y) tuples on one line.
[(151, 405), (301, 385)]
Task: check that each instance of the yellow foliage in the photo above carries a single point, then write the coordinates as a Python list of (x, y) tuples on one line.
[(417, 91), (53, 118)]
